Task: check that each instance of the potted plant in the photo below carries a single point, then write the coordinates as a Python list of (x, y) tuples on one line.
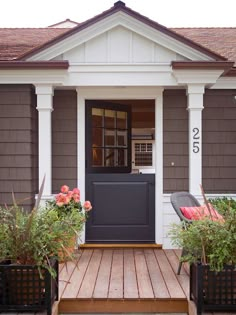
[(210, 248), (73, 214), (30, 247)]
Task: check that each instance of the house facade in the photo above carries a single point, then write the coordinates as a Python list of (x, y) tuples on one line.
[(123, 108)]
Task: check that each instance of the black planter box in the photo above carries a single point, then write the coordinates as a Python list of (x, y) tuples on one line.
[(213, 291), (22, 289)]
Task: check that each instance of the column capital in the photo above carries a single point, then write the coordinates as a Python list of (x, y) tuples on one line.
[(195, 94), (195, 89), (44, 89), (44, 97)]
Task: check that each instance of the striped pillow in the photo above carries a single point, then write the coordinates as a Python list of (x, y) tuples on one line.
[(199, 213)]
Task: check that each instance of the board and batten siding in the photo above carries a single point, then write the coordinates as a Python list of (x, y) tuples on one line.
[(64, 139), (175, 141), (219, 141), (18, 144)]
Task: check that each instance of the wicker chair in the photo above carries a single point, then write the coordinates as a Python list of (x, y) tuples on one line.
[(183, 199)]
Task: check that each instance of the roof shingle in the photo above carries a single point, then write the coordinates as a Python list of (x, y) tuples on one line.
[(220, 40), (17, 41)]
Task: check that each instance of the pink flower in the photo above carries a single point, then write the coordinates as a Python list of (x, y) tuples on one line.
[(64, 189), (87, 205), (61, 200), (76, 191), (70, 194), (76, 197)]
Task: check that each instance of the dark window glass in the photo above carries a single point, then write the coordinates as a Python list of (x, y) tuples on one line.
[(108, 134)]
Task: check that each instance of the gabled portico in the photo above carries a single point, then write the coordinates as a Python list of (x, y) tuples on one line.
[(119, 56)]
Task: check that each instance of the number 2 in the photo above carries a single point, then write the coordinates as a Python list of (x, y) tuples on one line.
[(196, 134)]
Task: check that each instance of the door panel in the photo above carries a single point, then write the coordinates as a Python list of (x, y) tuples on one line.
[(123, 208)]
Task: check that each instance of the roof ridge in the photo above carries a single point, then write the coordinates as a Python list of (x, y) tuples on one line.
[(207, 27), (33, 28)]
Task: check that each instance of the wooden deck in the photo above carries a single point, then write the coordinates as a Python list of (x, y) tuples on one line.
[(129, 280)]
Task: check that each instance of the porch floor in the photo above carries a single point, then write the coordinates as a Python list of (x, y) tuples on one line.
[(129, 280)]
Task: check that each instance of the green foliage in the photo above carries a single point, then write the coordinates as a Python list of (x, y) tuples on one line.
[(223, 204), (35, 237), (207, 241)]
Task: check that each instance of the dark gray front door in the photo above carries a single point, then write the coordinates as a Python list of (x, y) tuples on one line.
[(123, 203)]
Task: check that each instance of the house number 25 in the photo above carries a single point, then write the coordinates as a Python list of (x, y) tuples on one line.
[(196, 137)]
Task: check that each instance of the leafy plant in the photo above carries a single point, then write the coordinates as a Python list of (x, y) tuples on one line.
[(223, 204), (208, 241), (70, 209), (37, 237)]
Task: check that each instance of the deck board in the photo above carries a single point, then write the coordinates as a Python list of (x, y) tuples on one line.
[(103, 278), (72, 288), (88, 285), (130, 278), (183, 278), (144, 282), (65, 275), (116, 280), (158, 283), (169, 275)]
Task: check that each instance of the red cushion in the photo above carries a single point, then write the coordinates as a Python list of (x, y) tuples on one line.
[(198, 213)]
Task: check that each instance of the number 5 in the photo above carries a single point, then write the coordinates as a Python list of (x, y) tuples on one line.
[(196, 148)]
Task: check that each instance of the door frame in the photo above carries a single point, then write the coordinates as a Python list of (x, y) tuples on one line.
[(121, 93)]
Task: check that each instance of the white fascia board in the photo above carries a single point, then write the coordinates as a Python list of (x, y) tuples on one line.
[(120, 79), (19, 76), (119, 19), (119, 93), (120, 67), (120, 75), (197, 76), (225, 83)]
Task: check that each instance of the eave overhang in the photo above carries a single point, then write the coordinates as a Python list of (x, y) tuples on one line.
[(30, 65), (205, 73), (231, 72), (225, 66)]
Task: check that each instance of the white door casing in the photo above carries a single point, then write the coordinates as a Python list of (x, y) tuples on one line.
[(120, 93)]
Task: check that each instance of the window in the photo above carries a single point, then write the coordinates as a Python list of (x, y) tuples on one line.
[(108, 137), (143, 154)]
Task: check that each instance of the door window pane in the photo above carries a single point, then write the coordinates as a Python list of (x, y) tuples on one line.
[(97, 137), (122, 157), (122, 138), (110, 137), (97, 117), (110, 157), (97, 157), (121, 120), (110, 118)]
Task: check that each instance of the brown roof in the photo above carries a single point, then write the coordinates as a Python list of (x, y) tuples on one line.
[(16, 43), (120, 6), (221, 40)]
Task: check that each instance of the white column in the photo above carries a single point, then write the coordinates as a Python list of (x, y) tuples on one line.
[(195, 105), (81, 150), (159, 168), (45, 107)]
